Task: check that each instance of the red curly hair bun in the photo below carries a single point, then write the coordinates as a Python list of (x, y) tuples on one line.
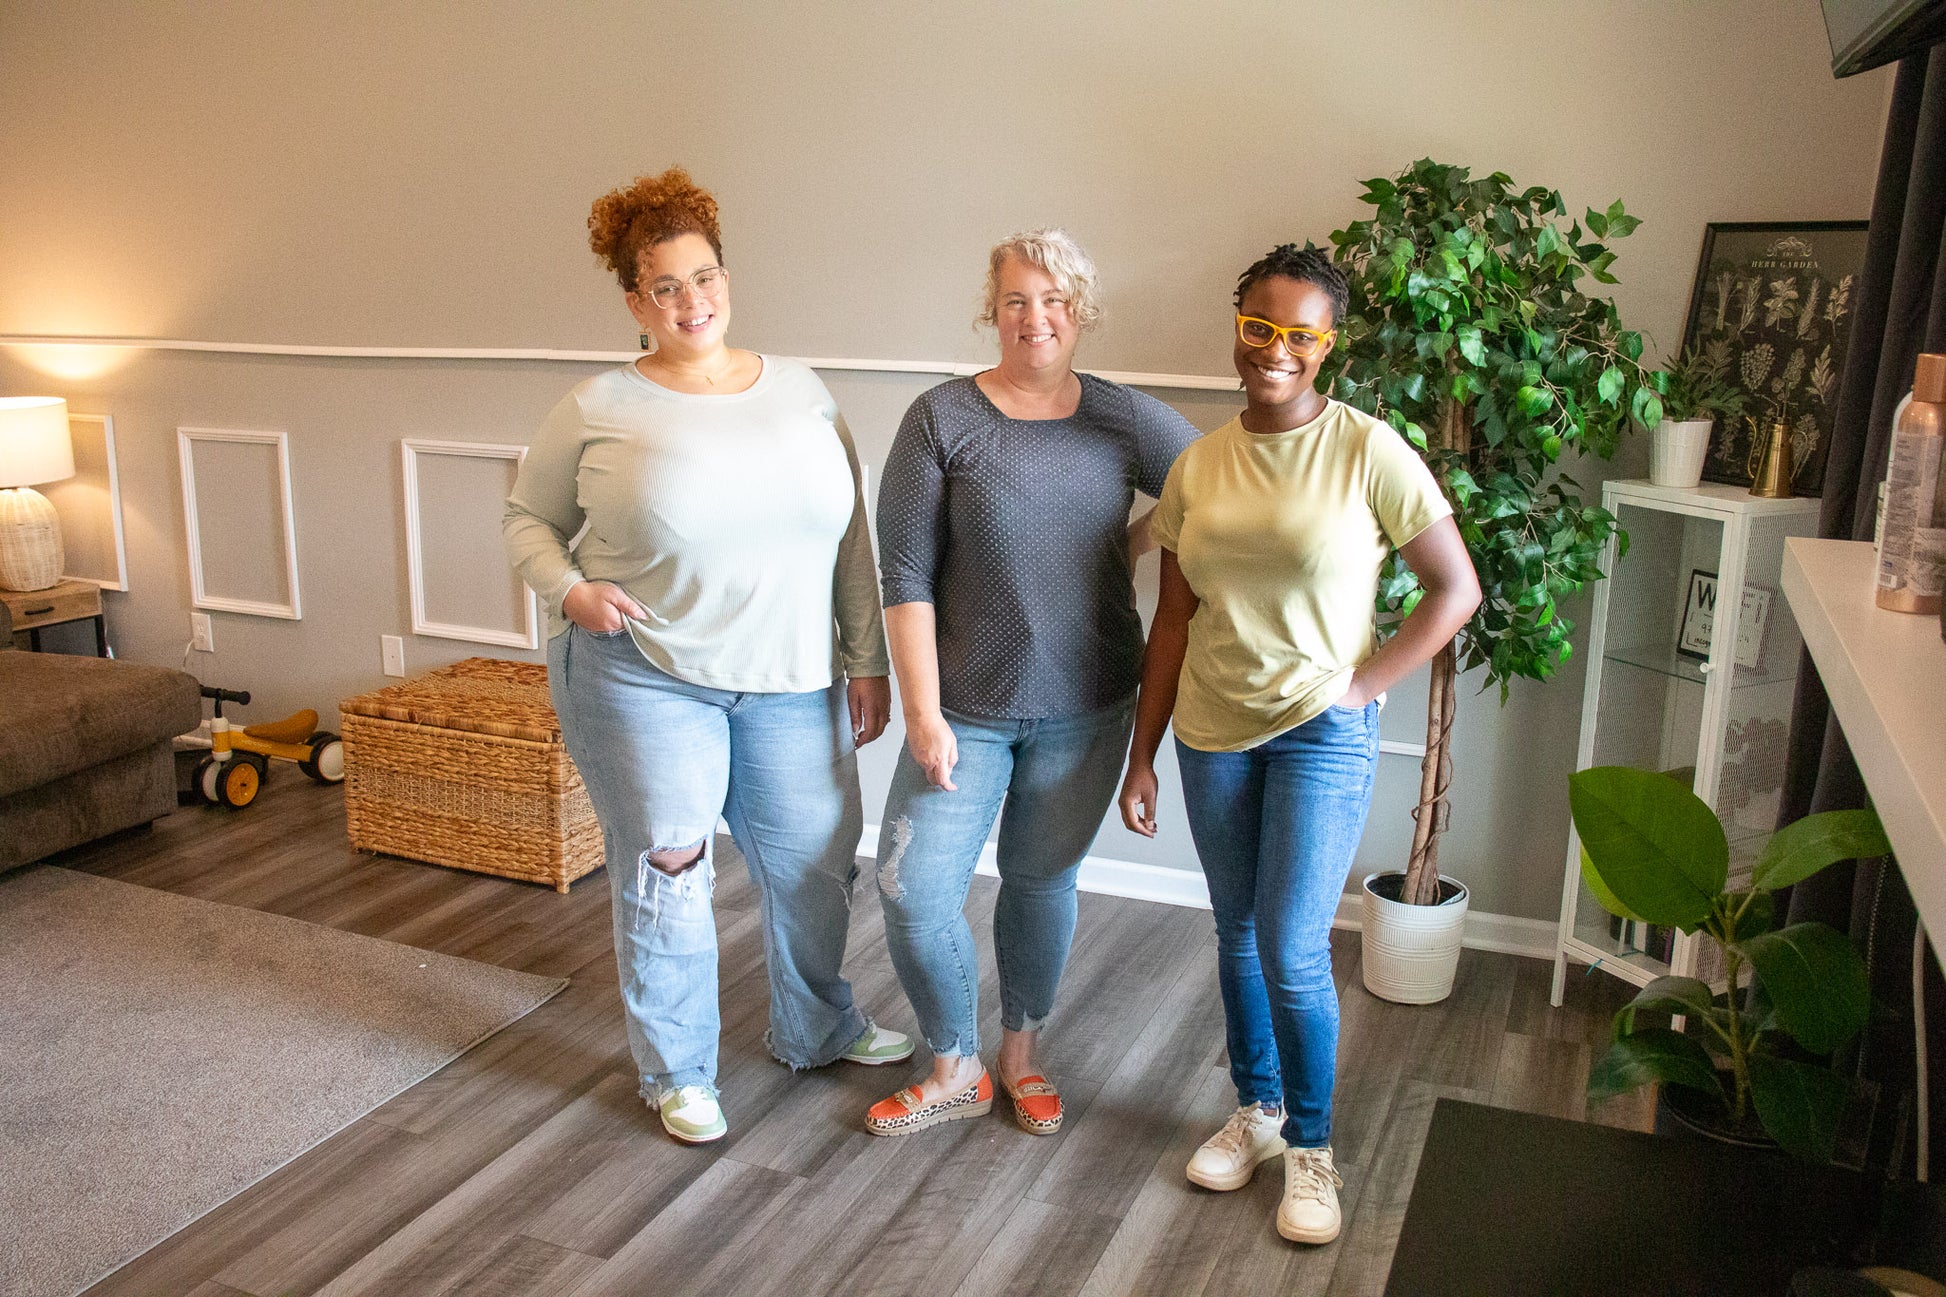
[(624, 223)]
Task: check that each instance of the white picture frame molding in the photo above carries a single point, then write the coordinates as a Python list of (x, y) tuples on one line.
[(410, 449), (118, 580), (186, 439)]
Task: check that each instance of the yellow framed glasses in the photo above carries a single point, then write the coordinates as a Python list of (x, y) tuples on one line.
[(1298, 341)]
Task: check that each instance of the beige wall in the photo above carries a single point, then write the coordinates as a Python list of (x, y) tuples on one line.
[(367, 175)]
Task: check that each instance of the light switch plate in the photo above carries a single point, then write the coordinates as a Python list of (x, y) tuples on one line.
[(393, 649)]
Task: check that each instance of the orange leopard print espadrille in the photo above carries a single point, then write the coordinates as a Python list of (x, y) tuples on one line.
[(903, 1113)]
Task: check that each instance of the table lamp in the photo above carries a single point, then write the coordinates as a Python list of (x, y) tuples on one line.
[(34, 448)]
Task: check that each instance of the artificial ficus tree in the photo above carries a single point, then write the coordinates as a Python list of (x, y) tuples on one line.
[(1474, 329)]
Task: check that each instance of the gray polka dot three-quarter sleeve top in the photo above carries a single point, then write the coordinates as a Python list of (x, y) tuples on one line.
[(1015, 531)]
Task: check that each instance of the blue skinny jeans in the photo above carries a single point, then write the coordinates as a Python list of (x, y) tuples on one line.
[(1056, 777), (1276, 827)]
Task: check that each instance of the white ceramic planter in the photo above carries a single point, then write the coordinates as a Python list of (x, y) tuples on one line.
[(1410, 952), (1676, 452)]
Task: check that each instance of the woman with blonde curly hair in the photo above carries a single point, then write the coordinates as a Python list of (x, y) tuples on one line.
[(696, 525), (1007, 551)]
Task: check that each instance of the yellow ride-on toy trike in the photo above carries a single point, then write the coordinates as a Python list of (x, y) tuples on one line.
[(236, 766)]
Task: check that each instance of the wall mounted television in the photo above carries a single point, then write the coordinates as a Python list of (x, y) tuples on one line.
[(1868, 33)]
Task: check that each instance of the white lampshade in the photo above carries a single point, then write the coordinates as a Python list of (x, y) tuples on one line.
[(34, 444), (34, 448)]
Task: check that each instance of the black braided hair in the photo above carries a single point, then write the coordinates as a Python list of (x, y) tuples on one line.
[(1310, 264)]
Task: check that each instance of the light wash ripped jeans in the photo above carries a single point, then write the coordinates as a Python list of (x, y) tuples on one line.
[(1056, 777), (662, 758)]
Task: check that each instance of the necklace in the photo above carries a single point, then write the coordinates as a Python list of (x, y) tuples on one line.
[(673, 372)]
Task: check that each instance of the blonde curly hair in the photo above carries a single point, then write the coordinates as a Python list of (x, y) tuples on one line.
[(625, 223), (1054, 252)]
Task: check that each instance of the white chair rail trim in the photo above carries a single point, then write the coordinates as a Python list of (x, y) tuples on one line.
[(951, 368)]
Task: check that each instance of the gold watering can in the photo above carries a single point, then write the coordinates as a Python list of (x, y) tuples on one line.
[(1770, 460)]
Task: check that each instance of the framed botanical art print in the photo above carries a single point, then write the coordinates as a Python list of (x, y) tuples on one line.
[(1771, 314)]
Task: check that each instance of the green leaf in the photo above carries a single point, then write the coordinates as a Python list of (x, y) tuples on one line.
[(1609, 901), (1657, 846), (1645, 407), (1533, 400), (1470, 344), (1671, 995), (1610, 385), (1597, 223), (1653, 1054), (1799, 1104), (1816, 980), (1801, 849)]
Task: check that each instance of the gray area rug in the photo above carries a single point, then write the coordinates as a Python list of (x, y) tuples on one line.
[(158, 1054)]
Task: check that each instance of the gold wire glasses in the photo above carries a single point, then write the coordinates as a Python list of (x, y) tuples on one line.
[(1298, 341), (707, 283)]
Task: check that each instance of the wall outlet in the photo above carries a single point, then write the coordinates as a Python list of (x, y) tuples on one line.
[(393, 650), (202, 635)]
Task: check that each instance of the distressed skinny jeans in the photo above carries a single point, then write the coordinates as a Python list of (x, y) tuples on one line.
[(1056, 777), (1276, 827), (662, 758)]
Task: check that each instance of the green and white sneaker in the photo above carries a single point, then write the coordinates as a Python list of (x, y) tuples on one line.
[(692, 1114), (878, 1046)]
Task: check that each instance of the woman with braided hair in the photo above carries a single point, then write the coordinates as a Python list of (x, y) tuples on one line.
[(1273, 529)]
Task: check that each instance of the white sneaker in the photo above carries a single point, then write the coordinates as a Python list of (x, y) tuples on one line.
[(1230, 1157), (692, 1114), (1309, 1212)]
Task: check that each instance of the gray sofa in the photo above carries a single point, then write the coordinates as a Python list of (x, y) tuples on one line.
[(84, 747)]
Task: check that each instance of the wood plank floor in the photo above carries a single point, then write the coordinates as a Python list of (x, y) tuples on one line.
[(529, 1166)]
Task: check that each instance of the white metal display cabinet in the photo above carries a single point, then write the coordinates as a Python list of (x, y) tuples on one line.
[(1683, 678)]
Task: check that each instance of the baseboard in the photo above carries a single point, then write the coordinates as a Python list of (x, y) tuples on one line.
[(1504, 933)]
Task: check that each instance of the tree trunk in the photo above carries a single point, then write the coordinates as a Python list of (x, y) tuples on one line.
[(1435, 777), (1429, 817)]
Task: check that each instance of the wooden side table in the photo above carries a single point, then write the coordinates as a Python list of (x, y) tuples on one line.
[(69, 601)]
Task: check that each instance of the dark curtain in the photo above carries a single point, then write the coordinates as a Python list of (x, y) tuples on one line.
[(1901, 312)]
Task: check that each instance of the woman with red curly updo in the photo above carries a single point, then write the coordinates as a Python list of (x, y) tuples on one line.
[(695, 523)]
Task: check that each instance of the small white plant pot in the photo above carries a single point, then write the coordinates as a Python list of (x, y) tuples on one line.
[(1676, 452), (1410, 952)]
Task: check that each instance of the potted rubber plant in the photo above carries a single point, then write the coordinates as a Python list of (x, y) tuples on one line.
[(1476, 329), (1696, 392), (1745, 1066)]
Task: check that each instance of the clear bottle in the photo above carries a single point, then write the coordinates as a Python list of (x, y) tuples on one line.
[(1912, 553)]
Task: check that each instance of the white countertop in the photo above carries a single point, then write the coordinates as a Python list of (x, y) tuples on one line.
[(1885, 673)]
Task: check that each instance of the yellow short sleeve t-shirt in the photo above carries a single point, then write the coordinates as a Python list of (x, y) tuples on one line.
[(1281, 537)]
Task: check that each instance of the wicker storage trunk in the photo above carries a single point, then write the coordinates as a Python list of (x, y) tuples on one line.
[(464, 766)]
